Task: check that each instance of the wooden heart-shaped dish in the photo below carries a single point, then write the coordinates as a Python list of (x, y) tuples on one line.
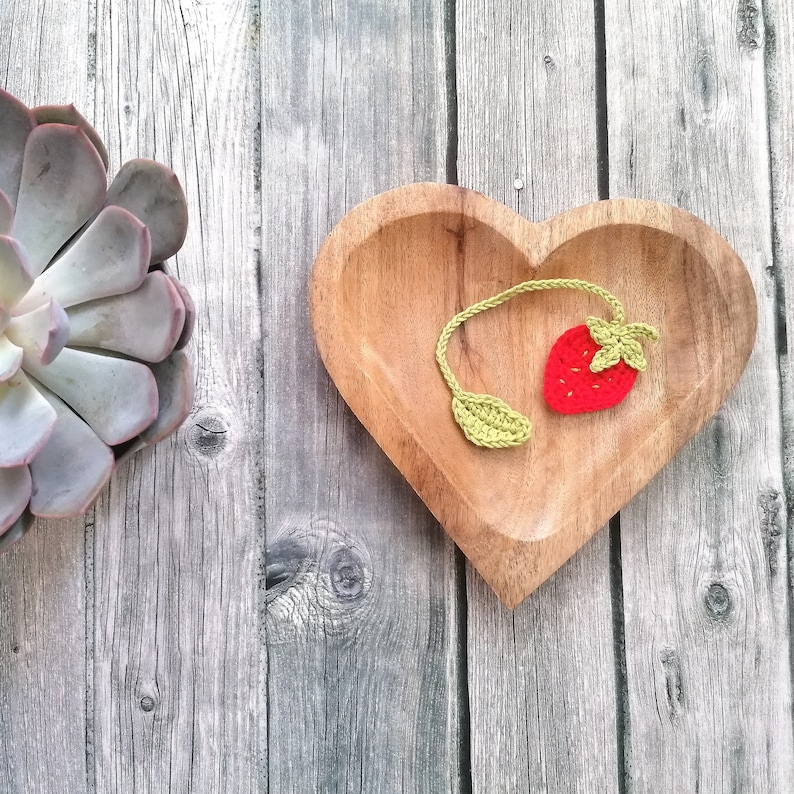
[(399, 266)]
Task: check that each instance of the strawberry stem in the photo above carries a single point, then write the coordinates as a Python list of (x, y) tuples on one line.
[(619, 342)]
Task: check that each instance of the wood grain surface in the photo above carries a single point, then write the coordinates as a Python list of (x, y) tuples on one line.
[(45, 631), (261, 602), (708, 676), (532, 69), (177, 542), (779, 62), (361, 618)]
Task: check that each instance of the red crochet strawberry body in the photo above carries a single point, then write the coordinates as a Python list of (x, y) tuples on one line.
[(570, 387)]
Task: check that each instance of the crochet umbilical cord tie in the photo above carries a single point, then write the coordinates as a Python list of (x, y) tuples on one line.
[(490, 422)]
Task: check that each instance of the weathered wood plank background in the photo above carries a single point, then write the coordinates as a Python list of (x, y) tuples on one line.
[(261, 603)]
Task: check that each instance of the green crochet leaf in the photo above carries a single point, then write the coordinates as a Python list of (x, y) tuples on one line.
[(619, 342), (490, 422)]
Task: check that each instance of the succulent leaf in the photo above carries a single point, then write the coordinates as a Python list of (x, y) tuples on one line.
[(71, 469), (175, 387), (68, 114), (59, 161), (190, 313), (15, 487), (41, 333), (145, 324), (6, 214), (109, 258), (117, 397), (10, 359), (16, 124), (15, 276), (152, 193), (26, 421), (16, 532)]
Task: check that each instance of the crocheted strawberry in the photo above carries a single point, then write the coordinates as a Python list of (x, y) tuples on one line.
[(594, 366)]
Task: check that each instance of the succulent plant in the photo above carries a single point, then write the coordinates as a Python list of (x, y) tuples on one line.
[(92, 324)]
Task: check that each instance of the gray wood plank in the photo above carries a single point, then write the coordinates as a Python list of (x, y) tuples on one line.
[(45, 57), (542, 678), (779, 61), (361, 623), (177, 541), (704, 552)]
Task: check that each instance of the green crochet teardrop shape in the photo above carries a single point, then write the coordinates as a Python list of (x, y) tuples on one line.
[(490, 422)]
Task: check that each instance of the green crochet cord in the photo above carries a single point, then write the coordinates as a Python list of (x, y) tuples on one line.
[(490, 422)]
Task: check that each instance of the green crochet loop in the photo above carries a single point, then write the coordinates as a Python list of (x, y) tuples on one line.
[(490, 422)]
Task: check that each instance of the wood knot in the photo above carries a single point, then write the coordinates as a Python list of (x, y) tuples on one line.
[(317, 579), (718, 602), (718, 445), (347, 574), (748, 33), (773, 520), (147, 703), (208, 435), (706, 84), (673, 681), (285, 559)]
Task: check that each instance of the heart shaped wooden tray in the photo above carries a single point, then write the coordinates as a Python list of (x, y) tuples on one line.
[(399, 266)]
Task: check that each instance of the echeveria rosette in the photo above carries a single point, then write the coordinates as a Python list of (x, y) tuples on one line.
[(92, 324)]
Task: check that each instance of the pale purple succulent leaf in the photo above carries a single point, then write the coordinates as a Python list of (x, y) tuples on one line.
[(16, 124), (176, 388), (41, 333), (68, 114), (190, 313), (144, 324), (10, 359), (6, 214), (72, 468), (20, 528), (111, 257), (152, 193), (117, 397), (14, 494), (15, 276), (26, 421), (63, 184)]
